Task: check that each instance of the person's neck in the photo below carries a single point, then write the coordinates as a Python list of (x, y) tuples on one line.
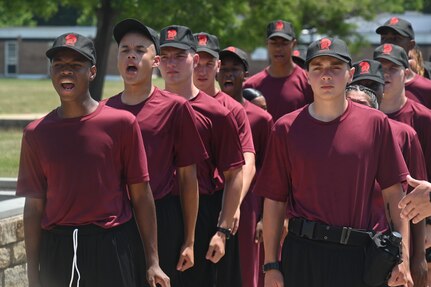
[(211, 90), (135, 94), (186, 91), (281, 70), (77, 109), (393, 104), (238, 97), (327, 111)]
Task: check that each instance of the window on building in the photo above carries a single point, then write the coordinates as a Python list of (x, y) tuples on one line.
[(11, 58)]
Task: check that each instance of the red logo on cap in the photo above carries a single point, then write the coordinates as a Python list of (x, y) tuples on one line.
[(202, 40), (231, 48), (279, 26), (364, 67), (394, 21), (171, 34), (387, 48), (71, 39), (325, 43), (296, 53)]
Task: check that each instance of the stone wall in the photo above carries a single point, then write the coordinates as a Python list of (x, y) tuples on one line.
[(13, 272)]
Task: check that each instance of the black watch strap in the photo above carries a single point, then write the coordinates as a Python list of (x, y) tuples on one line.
[(271, 266), (225, 231)]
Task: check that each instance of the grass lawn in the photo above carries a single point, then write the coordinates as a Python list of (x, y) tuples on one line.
[(35, 97)]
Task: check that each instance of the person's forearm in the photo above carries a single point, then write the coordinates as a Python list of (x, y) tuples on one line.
[(418, 239), (231, 196), (273, 218), (145, 215), (33, 211), (248, 171), (392, 197), (189, 195)]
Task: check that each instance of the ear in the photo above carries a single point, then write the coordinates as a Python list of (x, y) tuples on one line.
[(156, 61), (246, 74), (93, 71), (218, 64), (351, 73), (195, 60)]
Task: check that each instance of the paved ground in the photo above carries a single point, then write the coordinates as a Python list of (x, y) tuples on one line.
[(17, 120)]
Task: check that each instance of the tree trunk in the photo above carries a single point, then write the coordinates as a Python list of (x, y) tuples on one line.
[(105, 24)]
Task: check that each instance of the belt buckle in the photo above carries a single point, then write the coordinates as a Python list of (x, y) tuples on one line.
[(345, 234), (307, 229)]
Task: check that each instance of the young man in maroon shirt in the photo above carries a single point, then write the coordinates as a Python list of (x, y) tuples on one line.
[(204, 77), (220, 176), (233, 71), (283, 83), (172, 143), (400, 32), (400, 108), (79, 165), (319, 169)]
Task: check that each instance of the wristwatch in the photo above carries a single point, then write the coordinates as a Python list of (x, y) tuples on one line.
[(271, 266), (225, 231)]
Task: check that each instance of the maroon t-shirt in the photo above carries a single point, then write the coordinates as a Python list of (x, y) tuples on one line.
[(261, 124), (419, 118), (219, 133), (81, 167), (326, 170), (408, 142), (238, 112), (419, 90), (171, 139), (283, 95)]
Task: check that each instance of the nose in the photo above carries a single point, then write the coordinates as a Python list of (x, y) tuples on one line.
[(131, 55), (66, 70)]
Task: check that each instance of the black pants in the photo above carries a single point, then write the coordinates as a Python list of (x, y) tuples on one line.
[(104, 256), (170, 235), (226, 273), (309, 263)]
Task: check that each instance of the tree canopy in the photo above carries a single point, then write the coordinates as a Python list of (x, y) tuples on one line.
[(236, 22)]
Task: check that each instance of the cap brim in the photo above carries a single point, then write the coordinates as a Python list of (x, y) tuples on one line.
[(51, 52), (177, 45), (227, 52), (381, 30), (390, 59), (128, 25), (280, 34), (207, 50), (368, 77), (348, 61)]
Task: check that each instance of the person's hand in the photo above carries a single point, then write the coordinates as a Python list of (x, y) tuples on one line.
[(416, 205), (419, 270), (155, 276), (235, 223), (400, 276), (258, 236), (274, 278), (187, 258), (216, 247)]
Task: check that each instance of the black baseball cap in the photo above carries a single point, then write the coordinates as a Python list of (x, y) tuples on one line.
[(207, 43), (332, 47), (368, 70), (393, 53), (236, 52), (176, 36), (401, 26), (75, 42), (133, 25), (298, 56), (280, 28)]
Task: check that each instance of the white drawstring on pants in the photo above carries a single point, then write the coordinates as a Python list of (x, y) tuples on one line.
[(75, 259)]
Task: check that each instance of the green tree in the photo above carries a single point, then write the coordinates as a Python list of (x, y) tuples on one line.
[(236, 22)]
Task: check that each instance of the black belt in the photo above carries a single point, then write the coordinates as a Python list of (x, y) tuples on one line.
[(334, 234)]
